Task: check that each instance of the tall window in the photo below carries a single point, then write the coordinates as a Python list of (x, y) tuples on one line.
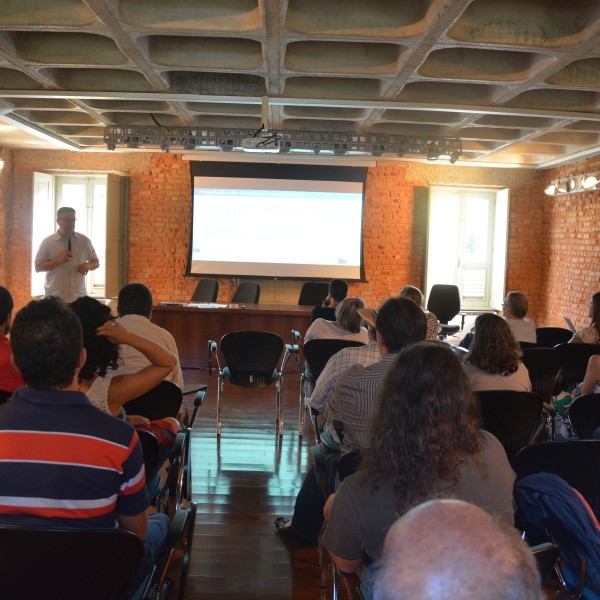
[(467, 243)]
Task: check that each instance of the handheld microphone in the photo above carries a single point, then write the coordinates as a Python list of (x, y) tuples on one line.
[(68, 244)]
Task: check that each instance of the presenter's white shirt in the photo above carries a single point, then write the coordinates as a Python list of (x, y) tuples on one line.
[(65, 281)]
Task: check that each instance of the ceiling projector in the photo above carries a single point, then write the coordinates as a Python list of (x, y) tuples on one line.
[(261, 144)]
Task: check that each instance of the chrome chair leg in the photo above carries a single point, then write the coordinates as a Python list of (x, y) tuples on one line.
[(279, 394), (301, 408), (219, 392)]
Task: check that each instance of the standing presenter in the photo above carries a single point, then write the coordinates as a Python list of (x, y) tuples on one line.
[(66, 257)]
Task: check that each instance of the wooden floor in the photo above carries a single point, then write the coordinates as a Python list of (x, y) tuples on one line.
[(241, 483)]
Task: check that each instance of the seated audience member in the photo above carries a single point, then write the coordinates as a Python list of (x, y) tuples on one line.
[(591, 334), (10, 378), (514, 309), (340, 362), (135, 311), (64, 463), (446, 549), (416, 295), (493, 360), (424, 443), (591, 381), (101, 336), (348, 324), (398, 323), (338, 290)]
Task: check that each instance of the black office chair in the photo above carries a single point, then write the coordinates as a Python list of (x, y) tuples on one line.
[(316, 354), (548, 337), (162, 401), (526, 345), (251, 358), (66, 563), (152, 462), (575, 461), (206, 291), (575, 358), (584, 415), (444, 303), (94, 564), (515, 418), (313, 293), (248, 292), (544, 366)]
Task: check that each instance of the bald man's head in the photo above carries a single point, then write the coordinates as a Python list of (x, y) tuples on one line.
[(452, 549)]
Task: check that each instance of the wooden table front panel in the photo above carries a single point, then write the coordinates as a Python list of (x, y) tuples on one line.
[(193, 327)]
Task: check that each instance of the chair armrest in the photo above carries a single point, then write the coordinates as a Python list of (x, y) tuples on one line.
[(198, 402), (212, 351), (296, 338), (173, 539), (199, 399)]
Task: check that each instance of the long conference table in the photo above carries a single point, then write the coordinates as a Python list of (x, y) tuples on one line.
[(193, 325)]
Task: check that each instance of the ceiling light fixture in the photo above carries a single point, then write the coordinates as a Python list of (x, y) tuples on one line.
[(270, 140), (573, 184)]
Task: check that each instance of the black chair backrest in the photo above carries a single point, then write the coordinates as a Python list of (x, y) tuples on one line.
[(206, 291), (544, 366), (575, 461), (444, 302), (247, 291), (5, 396), (513, 417), (548, 337), (575, 359), (318, 352), (70, 564), (525, 345), (151, 451), (162, 401), (313, 293), (251, 357), (584, 414)]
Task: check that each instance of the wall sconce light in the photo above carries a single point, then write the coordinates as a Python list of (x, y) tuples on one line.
[(573, 184)]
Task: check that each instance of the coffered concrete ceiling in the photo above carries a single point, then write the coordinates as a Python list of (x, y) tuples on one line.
[(518, 81)]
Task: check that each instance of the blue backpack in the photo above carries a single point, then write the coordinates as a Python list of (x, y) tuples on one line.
[(549, 506)]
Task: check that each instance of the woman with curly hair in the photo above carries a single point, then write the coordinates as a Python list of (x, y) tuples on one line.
[(425, 443), (105, 388), (591, 334), (494, 356)]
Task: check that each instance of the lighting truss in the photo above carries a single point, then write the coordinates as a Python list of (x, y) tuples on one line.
[(271, 140)]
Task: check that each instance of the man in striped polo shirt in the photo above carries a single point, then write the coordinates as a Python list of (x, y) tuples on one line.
[(398, 323), (63, 462)]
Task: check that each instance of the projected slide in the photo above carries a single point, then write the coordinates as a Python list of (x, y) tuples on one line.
[(276, 227)]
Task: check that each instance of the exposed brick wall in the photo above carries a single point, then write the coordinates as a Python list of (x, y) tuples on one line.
[(545, 257), (5, 213), (571, 272)]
